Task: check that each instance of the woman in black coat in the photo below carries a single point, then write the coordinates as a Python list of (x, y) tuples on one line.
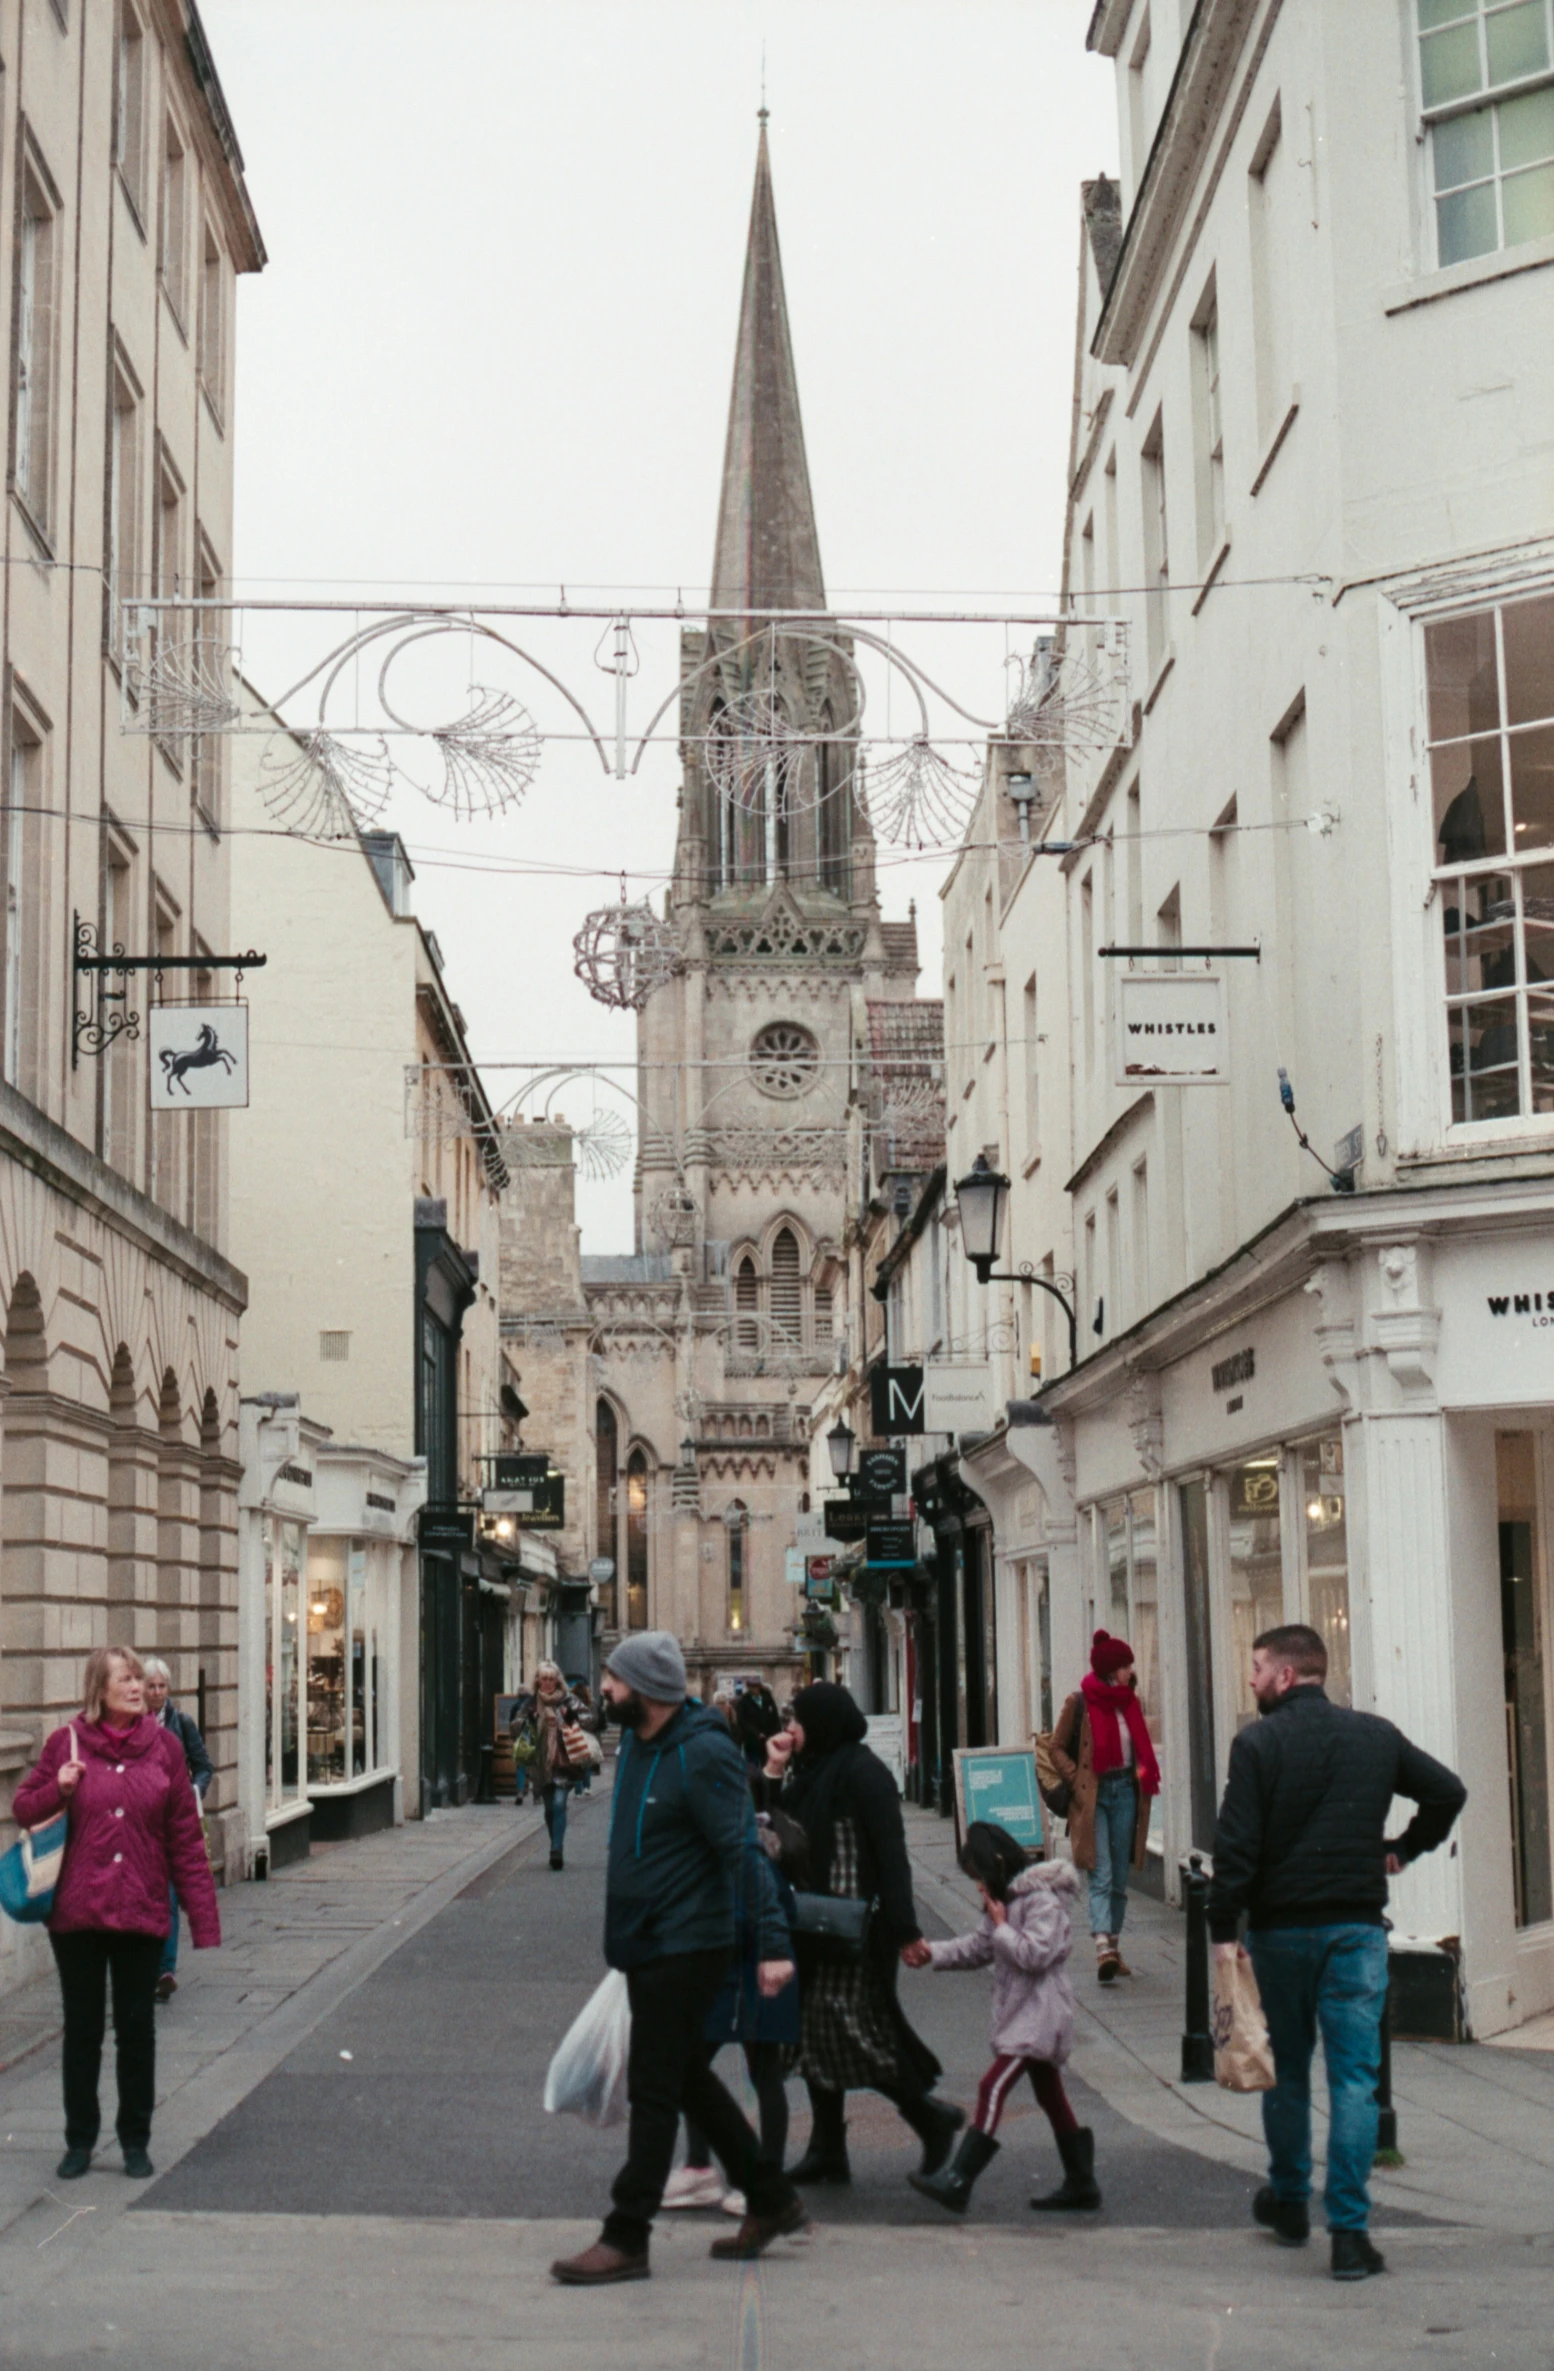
[(853, 2035)]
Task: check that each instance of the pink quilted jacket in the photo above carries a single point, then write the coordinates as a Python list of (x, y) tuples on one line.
[(134, 1833)]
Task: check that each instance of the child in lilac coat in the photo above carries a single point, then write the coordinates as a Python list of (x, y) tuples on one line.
[(1024, 1936)]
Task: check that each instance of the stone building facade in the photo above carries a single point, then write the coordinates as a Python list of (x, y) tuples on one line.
[(124, 220)]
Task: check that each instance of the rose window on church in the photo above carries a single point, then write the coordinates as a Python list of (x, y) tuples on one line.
[(784, 1059)]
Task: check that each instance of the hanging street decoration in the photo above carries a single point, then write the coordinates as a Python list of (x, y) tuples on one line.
[(323, 788), (624, 954)]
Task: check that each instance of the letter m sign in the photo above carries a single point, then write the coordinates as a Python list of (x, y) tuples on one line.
[(896, 1400)]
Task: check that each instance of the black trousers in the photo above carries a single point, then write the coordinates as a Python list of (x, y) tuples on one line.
[(668, 2074), (86, 1961), (764, 2060)]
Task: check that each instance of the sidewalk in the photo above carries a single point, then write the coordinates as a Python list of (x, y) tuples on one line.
[(1475, 2124), (291, 1950)]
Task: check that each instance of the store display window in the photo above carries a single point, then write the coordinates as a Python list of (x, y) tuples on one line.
[(347, 1714), (284, 1553)]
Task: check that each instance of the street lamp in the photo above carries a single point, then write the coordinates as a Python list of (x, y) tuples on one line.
[(842, 1442), (980, 1198)]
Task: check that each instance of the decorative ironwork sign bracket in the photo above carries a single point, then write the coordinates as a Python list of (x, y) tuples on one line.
[(95, 1028)]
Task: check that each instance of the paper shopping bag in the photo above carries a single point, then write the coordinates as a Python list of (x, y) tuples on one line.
[(1243, 2054)]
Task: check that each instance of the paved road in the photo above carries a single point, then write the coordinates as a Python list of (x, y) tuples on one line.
[(420, 2094)]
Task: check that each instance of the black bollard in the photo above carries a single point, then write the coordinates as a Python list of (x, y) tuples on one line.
[(485, 1785), (1197, 2041)]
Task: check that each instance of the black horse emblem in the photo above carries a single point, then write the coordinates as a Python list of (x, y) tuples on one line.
[(201, 1055)]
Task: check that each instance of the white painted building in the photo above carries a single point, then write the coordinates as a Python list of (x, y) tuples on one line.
[(1310, 470)]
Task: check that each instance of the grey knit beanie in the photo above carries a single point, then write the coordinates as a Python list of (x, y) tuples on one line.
[(651, 1662)]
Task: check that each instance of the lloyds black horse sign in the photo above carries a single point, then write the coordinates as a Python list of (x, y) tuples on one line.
[(199, 1057)]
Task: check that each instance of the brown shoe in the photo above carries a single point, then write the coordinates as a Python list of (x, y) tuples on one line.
[(756, 2232), (598, 2265)]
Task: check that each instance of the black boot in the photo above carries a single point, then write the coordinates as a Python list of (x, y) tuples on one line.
[(1078, 2187), (935, 2121), (825, 2159), (952, 2187)]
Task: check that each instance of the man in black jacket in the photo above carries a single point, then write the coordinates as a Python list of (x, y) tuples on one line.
[(1301, 1847)]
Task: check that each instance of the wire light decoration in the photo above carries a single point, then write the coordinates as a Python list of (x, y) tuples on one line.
[(490, 757), (624, 954), (672, 1217), (603, 1146), (917, 799), (1073, 709), (753, 744), (185, 683), (322, 788)]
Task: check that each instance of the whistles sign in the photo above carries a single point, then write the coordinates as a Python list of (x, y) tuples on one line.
[(1171, 1027)]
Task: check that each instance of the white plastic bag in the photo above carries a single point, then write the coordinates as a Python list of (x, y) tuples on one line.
[(587, 2076)]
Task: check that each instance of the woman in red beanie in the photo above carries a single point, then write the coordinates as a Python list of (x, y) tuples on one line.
[(1101, 1745)]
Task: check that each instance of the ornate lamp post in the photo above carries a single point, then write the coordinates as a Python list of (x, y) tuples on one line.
[(980, 1198)]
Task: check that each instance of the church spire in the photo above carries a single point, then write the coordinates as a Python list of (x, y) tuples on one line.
[(768, 552)]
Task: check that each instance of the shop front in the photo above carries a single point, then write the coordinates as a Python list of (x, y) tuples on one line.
[(1353, 1427), (361, 1566), (277, 1508), (958, 1642)]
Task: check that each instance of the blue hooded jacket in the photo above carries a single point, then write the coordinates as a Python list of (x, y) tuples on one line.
[(681, 1823)]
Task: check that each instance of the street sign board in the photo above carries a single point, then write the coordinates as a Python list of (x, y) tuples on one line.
[(548, 1508), (198, 1057), (998, 1784), (793, 1565), (601, 1569), (896, 1400), (519, 1470), (881, 1475), (844, 1520), (507, 1502), (820, 1577), (1171, 1026), (445, 1527), (958, 1395), (891, 1543)]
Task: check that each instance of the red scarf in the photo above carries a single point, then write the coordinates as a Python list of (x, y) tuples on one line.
[(1103, 1702)]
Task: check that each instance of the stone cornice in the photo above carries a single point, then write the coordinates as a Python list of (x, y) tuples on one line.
[(35, 1142)]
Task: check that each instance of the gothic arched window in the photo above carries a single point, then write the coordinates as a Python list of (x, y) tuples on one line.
[(735, 1520), (787, 1291), (636, 1541), (747, 1301)]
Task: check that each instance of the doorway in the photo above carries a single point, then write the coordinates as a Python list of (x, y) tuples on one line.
[(1523, 1636)]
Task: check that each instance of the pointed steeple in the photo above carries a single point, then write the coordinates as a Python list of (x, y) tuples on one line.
[(768, 552)]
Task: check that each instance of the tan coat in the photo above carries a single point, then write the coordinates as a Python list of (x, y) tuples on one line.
[(1079, 1769)]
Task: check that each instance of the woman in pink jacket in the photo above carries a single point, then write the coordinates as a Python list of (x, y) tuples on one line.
[(134, 1835)]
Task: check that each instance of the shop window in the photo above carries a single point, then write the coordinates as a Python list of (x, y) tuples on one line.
[(283, 1558), (1522, 1625), (1193, 1499), (362, 1677), (636, 1541), (1256, 1569), (328, 1705), (736, 1521), (1491, 713), (1132, 1595), (606, 1473), (1327, 1558)]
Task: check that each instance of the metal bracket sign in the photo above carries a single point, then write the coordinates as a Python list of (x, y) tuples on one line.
[(891, 1544), (95, 1029), (896, 1400), (846, 1519), (881, 1476)]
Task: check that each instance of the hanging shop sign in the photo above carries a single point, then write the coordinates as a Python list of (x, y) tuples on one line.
[(958, 1395), (1171, 1027), (881, 1476), (519, 1469), (198, 1057), (601, 1569), (446, 1527), (896, 1400), (891, 1544), (845, 1519), (820, 1578)]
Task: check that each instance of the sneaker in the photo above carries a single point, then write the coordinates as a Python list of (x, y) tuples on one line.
[(734, 2204), (1353, 2256), (1108, 1959), (694, 2185), (73, 2164)]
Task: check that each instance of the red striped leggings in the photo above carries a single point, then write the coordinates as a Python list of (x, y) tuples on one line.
[(1046, 2082)]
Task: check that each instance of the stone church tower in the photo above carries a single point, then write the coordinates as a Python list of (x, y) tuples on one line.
[(714, 1337)]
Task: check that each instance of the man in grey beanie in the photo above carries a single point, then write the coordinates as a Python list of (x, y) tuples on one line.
[(680, 1827)]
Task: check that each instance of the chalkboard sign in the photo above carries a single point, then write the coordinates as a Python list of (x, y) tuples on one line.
[(998, 1783)]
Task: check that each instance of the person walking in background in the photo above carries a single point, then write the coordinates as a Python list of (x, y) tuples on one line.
[(1301, 1848), (554, 1722), (134, 1833), (1101, 1745), (1025, 1936), (161, 1708), (681, 1824), (853, 2035)]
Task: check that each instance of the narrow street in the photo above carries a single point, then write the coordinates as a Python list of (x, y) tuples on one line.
[(355, 2168)]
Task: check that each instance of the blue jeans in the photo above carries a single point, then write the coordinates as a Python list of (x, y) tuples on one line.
[(170, 1947), (555, 1798), (1333, 1978), (1116, 1821)]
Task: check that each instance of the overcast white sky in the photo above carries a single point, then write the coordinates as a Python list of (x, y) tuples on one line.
[(491, 352)]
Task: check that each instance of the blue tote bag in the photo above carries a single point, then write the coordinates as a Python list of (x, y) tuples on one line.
[(29, 1872)]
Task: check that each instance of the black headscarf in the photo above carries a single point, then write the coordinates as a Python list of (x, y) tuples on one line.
[(834, 1730)]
